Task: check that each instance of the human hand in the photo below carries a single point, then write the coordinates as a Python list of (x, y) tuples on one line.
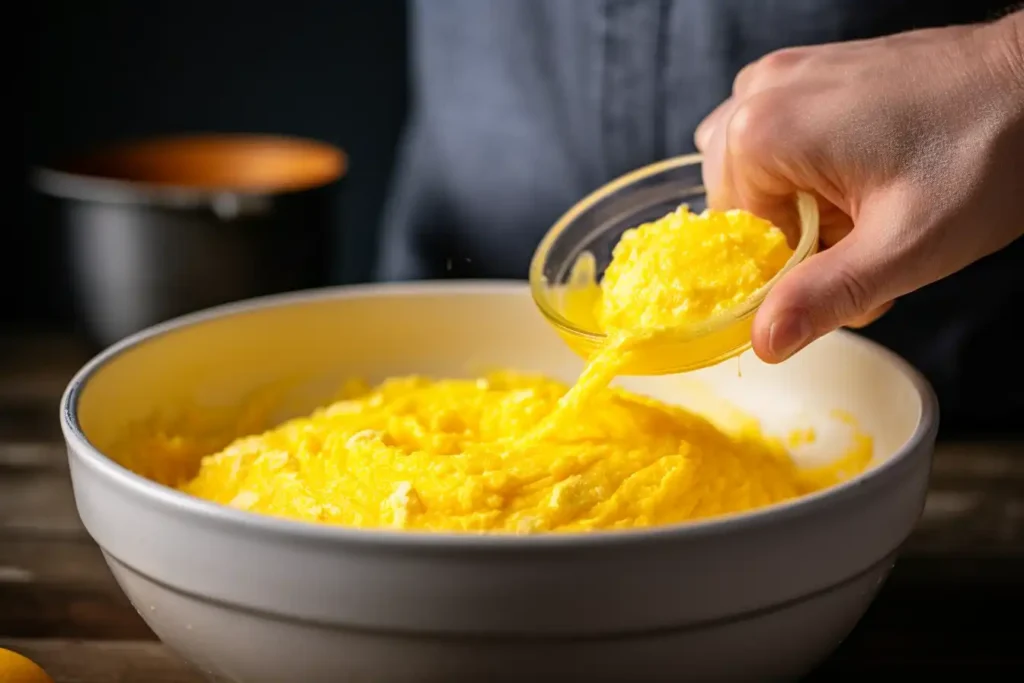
[(914, 147)]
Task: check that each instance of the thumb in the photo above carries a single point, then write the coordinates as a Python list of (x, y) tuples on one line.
[(841, 285)]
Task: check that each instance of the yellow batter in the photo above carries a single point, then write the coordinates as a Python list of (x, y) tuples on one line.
[(686, 268), (416, 453), (520, 453)]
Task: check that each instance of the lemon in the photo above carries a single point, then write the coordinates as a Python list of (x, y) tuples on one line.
[(15, 668)]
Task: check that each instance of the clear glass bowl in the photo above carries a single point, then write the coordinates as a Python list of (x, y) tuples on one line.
[(595, 225)]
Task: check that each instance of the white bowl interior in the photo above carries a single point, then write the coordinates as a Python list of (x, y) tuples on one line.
[(307, 346)]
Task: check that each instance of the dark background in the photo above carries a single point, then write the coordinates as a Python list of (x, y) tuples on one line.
[(107, 70)]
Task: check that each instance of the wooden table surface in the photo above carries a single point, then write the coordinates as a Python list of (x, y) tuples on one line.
[(953, 605)]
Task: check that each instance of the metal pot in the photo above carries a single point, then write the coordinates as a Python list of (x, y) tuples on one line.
[(169, 226)]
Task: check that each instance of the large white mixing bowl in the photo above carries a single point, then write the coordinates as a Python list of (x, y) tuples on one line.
[(759, 597)]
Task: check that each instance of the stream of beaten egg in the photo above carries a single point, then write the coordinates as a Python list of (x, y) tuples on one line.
[(522, 453), (679, 270)]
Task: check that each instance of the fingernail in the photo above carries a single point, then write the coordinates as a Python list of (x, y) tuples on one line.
[(789, 333)]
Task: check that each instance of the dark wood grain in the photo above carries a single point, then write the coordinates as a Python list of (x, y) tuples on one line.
[(65, 611), (97, 661), (61, 588), (53, 561), (32, 455), (37, 501)]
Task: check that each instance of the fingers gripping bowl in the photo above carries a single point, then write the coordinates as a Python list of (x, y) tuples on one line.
[(756, 596)]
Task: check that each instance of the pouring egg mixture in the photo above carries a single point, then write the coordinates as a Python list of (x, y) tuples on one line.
[(521, 453)]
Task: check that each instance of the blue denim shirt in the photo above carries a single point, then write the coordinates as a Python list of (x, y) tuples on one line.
[(522, 107)]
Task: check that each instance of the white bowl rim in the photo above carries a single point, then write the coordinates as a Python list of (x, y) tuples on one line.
[(179, 503)]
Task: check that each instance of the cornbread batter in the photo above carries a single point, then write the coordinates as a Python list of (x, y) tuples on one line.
[(519, 453), (685, 268), (679, 270), (448, 455)]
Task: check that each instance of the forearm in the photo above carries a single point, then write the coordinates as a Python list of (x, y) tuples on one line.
[(1007, 40), (1013, 27), (998, 79)]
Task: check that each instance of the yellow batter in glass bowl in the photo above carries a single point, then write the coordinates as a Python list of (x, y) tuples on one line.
[(572, 259)]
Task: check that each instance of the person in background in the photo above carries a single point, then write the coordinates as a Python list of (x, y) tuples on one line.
[(913, 144)]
